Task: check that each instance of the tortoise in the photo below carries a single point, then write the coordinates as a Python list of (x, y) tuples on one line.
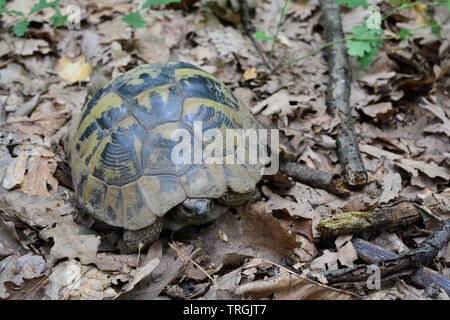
[(120, 148)]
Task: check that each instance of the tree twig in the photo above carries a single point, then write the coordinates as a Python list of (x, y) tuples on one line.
[(250, 30), (380, 218), (404, 264), (338, 96), (423, 277), (333, 183)]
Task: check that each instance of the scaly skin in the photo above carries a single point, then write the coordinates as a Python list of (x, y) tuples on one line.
[(146, 236)]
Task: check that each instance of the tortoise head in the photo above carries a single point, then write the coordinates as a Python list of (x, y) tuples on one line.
[(193, 212), (196, 209)]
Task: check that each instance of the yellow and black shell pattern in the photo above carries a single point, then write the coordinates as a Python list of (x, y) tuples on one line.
[(120, 145)]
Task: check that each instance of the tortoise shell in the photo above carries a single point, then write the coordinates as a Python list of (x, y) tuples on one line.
[(120, 145)]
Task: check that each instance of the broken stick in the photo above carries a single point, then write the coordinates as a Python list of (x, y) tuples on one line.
[(250, 30), (404, 264), (380, 218), (423, 277), (333, 183), (338, 96)]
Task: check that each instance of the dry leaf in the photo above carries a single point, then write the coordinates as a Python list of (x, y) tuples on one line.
[(71, 280), (15, 173), (303, 209), (250, 74), (27, 47), (114, 29), (251, 233), (346, 253), (280, 104), (17, 268), (430, 169), (327, 261), (120, 57), (70, 244), (375, 110), (38, 211), (9, 241), (40, 174), (168, 269), (377, 152), (74, 71), (392, 185)]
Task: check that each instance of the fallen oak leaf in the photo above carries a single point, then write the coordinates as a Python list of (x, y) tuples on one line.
[(280, 104), (327, 261), (74, 71), (71, 280), (392, 185), (40, 173), (70, 244), (252, 232), (169, 268), (250, 74), (294, 209), (346, 253), (40, 123), (15, 173), (377, 109), (430, 169)]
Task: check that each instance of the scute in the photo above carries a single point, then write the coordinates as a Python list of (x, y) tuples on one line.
[(200, 84), (93, 197), (157, 150), (157, 106), (161, 192), (117, 159), (204, 181), (135, 211)]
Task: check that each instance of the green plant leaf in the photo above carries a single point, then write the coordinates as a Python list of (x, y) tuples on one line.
[(43, 4), (367, 58), (134, 19), (20, 28), (364, 33), (353, 3), (17, 13), (358, 48), (404, 35), (259, 35), (363, 44), (433, 24), (58, 20), (262, 35), (149, 3)]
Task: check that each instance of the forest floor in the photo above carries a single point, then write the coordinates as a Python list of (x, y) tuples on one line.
[(49, 249)]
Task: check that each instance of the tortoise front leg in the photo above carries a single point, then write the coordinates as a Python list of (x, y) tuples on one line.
[(146, 236)]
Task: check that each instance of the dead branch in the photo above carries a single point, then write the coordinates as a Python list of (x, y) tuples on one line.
[(380, 218), (250, 30), (333, 183), (338, 96), (399, 265), (423, 277)]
